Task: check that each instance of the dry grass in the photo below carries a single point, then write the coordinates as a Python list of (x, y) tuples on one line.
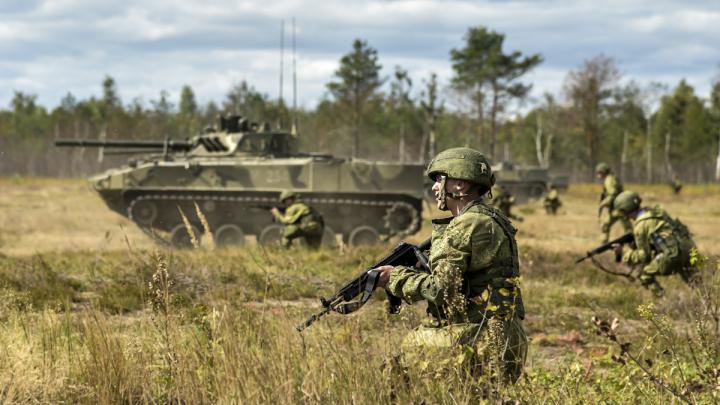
[(78, 322)]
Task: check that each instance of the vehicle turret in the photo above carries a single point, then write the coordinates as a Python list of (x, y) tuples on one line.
[(234, 136)]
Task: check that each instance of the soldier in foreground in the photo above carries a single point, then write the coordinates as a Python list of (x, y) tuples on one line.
[(663, 245), (504, 201), (300, 220), (611, 188), (552, 200), (472, 290)]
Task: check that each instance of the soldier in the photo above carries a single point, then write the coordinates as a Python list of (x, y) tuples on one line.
[(503, 200), (300, 220), (611, 188), (552, 200), (662, 244), (472, 290), (676, 184)]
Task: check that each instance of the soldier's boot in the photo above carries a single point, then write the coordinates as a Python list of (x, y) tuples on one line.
[(656, 289), (648, 281), (691, 276)]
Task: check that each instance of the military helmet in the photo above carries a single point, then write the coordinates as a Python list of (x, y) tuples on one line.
[(602, 167), (627, 202), (287, 194), (464, 164)]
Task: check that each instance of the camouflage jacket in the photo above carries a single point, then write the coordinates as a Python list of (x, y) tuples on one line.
[(552, 195), (474, 268), (611, 188), (298, 213), (655, 232)]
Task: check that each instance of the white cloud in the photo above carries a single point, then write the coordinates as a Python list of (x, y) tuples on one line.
[(151, 45)]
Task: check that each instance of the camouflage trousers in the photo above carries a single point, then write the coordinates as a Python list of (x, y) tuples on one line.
[(677, 261), (489, 353), (609, 220), (551, 206), (311, 235)]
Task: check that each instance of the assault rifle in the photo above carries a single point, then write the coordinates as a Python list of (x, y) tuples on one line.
[(622, 240), (404, 254), (268, 207)]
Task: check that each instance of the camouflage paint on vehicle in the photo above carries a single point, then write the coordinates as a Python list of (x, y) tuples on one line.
[(526, 182), (233, 173)]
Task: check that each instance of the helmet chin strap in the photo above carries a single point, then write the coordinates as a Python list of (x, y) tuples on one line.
[(443, 195), (441, 198)]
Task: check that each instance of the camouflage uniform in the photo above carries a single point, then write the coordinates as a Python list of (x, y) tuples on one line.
[(473, 296), (663, 247), (503, 200), (676, 185), (301, 221), (552, 201), (611, 188)]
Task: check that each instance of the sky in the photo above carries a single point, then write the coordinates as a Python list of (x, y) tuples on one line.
[(51, 47)]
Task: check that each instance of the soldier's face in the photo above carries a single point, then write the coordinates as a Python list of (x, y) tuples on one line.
[(451, 186)]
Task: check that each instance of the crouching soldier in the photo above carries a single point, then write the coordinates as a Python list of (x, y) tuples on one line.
[(300, 220), (552, 200), (472, 290), (504, 201), (663, 245)]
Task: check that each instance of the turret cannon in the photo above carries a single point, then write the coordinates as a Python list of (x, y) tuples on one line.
[(140, 145)]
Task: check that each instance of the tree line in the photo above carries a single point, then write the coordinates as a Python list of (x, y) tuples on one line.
[(647, 133)]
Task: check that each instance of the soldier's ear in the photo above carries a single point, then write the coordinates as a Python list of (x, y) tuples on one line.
[(460, 185)]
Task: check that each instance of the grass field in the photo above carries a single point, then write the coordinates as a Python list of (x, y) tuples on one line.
[(92, 312)]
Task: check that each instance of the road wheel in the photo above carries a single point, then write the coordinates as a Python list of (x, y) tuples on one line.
[(144, 212), (270, 235), (401, 219), (229, 235), (537, 191), (364, 236), (180, 237)]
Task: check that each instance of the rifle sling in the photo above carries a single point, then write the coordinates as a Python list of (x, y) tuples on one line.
[(370, 285)]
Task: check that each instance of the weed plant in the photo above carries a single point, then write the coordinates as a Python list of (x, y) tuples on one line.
[(219, 327)]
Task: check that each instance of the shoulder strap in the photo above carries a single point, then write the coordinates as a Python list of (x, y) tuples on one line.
[(507, 228)]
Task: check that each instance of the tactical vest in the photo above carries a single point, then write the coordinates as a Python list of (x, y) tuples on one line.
[(494, 289), (501, 275), (679, 233), (310, 221)]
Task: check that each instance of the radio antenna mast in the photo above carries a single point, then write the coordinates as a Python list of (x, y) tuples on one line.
[(282, 57), (294, 62)]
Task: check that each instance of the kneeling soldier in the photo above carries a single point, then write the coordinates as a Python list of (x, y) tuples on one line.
[(472, 290), (300, 220), (663, 244), (552, 200)]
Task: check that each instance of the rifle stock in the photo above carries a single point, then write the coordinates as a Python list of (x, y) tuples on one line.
[(622, 240), (404, 254)]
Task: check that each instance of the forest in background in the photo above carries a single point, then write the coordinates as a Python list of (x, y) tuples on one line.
[(646, 132)]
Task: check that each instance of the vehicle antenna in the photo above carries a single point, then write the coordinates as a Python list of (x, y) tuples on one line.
[(294, 129), (282, 57)]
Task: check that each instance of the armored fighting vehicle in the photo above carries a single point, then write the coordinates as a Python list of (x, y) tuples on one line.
[(526, 182), (235, 172)]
